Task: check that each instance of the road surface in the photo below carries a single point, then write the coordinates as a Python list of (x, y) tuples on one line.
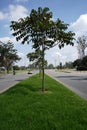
[(7, 81), (76, 81)]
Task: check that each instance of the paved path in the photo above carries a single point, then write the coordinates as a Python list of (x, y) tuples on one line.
[(76, 81), (7, 81)]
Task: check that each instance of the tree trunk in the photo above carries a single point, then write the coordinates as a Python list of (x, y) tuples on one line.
[(43, 89), (40, 71), (7, 69)]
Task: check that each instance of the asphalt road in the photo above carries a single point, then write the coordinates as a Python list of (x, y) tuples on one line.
[(7, 81), (76, 81)]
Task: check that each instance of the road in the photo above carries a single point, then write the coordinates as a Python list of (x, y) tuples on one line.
[(8, 80), (76, 81)]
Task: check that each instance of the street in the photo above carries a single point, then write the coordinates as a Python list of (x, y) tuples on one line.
[(76, 81), (9, 80)]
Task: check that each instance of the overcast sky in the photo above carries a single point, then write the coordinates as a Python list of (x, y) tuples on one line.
[(72, 12)]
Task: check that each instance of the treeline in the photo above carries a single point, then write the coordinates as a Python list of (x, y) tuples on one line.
[(80, 64)]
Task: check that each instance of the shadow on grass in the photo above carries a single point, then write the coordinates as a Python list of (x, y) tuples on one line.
[(26, 86)]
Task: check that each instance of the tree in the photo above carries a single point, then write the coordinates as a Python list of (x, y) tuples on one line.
[(77, 63), (84, 61), (8, 55), (16, 67), (44, 33), (81, 46), (81, 64), (68, 65), (37, 58), (60, 66), (50, 66)]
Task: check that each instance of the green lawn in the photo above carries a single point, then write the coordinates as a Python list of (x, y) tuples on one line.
[(25, 107)]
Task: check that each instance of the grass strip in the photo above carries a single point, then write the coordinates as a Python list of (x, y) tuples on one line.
[(25, 107)]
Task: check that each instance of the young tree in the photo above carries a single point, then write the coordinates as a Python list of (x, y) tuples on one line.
[(8, 55), (81, 46), (44, 33), (37, 58)]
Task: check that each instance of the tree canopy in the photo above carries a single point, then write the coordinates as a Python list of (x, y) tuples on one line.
[(39, 25), (8, 55), (43, 31), (81, 64)]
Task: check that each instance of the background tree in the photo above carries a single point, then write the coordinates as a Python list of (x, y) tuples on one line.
[(16, 67), (8, 55), (84, 61), (81, 46), (44, 33), (50, 66), (77, 63), (37, 58), (81, 64), (68, 65)]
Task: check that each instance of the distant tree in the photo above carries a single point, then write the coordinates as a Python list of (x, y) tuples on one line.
[(84, 61), (81, 46), (16, 67), (45, 33), (50, 66), (77, 63), (8, 55), (37, 58), (81, 64), (33, 56), (60, 66), (22, 68), (32, 66), (68, 65)]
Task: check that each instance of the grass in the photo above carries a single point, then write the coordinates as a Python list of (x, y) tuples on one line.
[(25, 107)]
